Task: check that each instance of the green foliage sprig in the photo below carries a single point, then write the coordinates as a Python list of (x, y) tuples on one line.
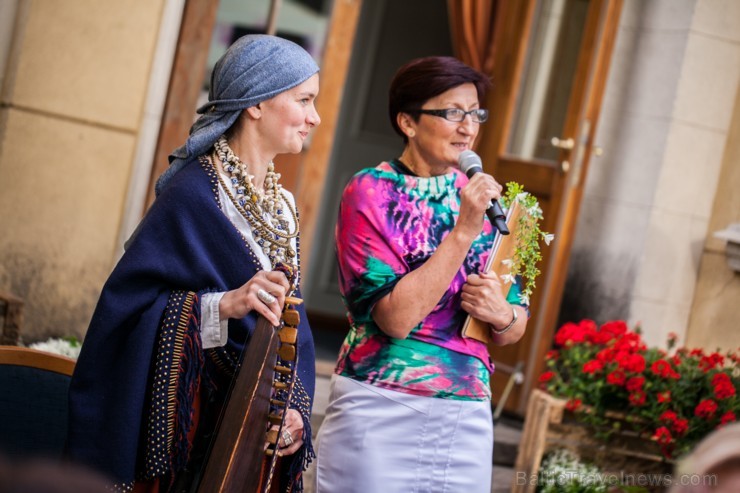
[(528, 237)]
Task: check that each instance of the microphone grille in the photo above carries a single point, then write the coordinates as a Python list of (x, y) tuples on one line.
[(469, 160)]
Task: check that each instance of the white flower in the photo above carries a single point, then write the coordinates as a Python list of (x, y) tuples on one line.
[(535, 210), (59, 346), (508, 262), (524, 298), (507, 278), (548, 237)]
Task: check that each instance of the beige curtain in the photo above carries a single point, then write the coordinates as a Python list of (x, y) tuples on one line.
[(472, 25)]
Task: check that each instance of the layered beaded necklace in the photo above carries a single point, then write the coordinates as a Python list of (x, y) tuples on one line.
[(264, 210)]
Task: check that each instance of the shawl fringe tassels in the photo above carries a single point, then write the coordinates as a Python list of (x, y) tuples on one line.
[(301, 460), (301, 401), (191, 365)]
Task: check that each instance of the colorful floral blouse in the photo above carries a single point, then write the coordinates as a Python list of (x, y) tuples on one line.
[(390, 223)]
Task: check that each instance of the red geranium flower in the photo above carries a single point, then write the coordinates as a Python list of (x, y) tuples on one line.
[(706, 409), (629, 342), (571, 333), (637, 398), (663, 436), (606, 355), (600, 337), (672, 338), (547, 376), (616, 377), (573, 404), (723, 387), (711, 362), (728, 417), (592, 366), (616, 328), (680, 426), (635, 383), (663, 369), (720, 378), (632, 362), (664, 396), (588, 326)]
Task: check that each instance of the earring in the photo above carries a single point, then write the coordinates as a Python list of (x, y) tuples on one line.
[(411, 133)]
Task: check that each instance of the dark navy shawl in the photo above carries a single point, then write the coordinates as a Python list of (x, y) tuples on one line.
[(184, 244)]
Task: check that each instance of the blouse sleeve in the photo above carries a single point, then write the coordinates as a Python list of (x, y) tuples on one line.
[(370, 262), (213, 330)]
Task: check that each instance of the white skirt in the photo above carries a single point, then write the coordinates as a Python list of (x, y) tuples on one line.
[(377, 440)]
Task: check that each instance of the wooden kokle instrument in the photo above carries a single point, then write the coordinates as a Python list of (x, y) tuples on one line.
[(244, 455), (503, 248)]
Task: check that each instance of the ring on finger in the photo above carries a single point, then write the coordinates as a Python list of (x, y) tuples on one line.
[(265, 297), (287, 438)]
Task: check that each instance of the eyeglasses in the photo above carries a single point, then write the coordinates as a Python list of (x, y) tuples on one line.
[(478, 115)]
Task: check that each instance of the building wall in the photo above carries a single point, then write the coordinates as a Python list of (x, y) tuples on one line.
[(72, 105), (648, 201), (690, 172), (633, 131), (714, 312)]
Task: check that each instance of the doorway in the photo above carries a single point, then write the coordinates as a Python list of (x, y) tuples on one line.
[(552, 64), (389, 33)]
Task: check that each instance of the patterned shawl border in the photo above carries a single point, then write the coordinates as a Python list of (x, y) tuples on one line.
[(174, 387), (122, 487)]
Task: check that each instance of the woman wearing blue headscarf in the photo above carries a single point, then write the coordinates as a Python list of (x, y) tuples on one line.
[(217, 249)]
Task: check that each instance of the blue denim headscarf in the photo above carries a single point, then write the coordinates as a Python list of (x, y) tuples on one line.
[(255, 68)]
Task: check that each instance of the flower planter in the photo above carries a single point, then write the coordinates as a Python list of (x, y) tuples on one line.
[(549, 426)]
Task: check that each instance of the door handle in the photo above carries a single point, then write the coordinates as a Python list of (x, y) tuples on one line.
[(566, 144)]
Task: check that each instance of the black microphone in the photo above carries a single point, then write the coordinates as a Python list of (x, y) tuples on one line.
[(471, 164)]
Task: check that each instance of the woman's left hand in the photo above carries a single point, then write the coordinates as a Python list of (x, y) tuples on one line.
[(483, 298), (291, 438)]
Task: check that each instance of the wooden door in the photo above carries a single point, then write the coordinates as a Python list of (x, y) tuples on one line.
[(551, 63)]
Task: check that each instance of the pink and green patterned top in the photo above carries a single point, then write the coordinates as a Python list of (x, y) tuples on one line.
[(390, 223)]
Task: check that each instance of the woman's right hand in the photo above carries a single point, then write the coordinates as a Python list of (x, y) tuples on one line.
[(475, 197), (239, 302)]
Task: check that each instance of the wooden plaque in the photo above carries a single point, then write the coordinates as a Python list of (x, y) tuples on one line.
[(502, 249)]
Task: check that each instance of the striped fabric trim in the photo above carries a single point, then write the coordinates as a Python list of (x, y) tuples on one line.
[(175, 382)]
